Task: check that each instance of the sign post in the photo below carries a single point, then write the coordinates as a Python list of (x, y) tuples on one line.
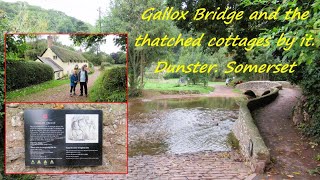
[(63, 137)]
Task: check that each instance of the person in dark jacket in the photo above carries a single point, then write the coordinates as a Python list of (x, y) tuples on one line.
[(76, 69), (83, 79), (73, 82)]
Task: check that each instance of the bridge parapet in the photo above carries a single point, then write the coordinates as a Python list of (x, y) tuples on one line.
[(251, 143)]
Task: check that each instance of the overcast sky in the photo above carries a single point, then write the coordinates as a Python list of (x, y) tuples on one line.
[(109, 47)]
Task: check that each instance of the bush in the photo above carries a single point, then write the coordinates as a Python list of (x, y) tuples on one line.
[(91, 68), (307, 77), (110, 86), (104, 65), (171, 76), (21, 74)]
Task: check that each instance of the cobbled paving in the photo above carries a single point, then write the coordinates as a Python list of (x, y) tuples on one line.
[(204, 165)]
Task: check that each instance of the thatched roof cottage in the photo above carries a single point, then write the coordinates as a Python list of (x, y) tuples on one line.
[(61, 60)]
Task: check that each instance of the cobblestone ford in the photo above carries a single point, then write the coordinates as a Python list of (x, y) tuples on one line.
[(204, 165)]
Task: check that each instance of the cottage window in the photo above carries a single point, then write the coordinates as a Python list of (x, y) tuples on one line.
[(54, 57)]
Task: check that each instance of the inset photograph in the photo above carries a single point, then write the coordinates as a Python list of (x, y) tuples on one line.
[(66, 67), (82, 128), (66, 138)]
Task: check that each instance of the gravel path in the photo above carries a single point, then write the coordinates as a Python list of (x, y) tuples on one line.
[(60, 93), (291, 153)]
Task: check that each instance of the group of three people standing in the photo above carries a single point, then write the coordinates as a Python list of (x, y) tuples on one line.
[(79, 76)]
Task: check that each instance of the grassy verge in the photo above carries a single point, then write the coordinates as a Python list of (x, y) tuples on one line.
[(35, 88), (235, 90), (171, 86), (94, 91)]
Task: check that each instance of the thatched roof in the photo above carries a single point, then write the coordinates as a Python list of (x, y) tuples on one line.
[(50, 62), (67, 55)]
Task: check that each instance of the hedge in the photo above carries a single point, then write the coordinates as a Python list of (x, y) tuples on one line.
[(91, 67), (104, 65), (110, 86), (21, 74), (171, 75)]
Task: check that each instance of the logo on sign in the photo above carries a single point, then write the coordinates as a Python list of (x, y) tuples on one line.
[(45, 116)]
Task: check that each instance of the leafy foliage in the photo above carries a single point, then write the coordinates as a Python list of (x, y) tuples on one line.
[(118, 20), (98, 59), (111, 86), (307, 74), (16, 46), (21, 74), (28, 47), (23, 17), (192, 56), (104, 65), (171, 76), (119, 57), (87, 40), (91, 68)]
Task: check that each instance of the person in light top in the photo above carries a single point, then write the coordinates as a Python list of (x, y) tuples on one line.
[(83, 79)]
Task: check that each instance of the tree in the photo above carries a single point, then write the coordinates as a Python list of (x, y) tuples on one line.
[(16, 46), (119, 57), (125, 16), (23, 17), (307, 74), (87, 40), (193, 55), (122, 58), (35, 48)]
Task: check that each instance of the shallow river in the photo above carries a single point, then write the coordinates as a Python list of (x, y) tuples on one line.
[(177, 126)]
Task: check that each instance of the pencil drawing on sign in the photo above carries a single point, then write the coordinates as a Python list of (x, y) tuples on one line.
[(82, 128)]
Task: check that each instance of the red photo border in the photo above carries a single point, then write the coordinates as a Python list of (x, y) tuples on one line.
[(5, 102)]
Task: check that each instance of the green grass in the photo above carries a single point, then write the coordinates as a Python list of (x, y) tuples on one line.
[(35, 88), (235, 90), (94, 91), (11, 95), (172, 85)]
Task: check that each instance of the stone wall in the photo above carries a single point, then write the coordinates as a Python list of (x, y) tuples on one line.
[(258, 87), (286, 84), (114, 139), (251, 143)]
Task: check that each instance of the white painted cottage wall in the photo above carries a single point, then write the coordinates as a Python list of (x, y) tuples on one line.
[(67, 66)]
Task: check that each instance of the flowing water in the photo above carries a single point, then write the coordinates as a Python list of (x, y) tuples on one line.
[(177, 126)]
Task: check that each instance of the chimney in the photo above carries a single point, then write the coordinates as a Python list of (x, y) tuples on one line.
[(50, 41)]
